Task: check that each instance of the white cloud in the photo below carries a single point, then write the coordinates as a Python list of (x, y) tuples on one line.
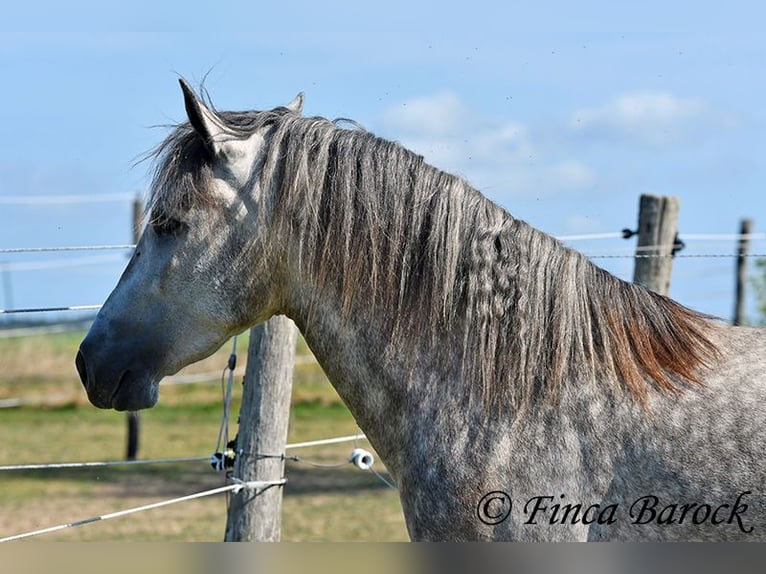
[(501, 156), (647, 118), (437, 115), (573, 174)]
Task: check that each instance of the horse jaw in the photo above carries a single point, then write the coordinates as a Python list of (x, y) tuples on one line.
[(147, 330)]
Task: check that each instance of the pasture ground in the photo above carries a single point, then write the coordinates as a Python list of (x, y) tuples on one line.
[(59, 425)]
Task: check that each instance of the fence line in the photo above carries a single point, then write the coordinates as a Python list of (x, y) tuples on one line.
[(100, 464), (49, 400), (581, 237), (360, 458), (677, 255), (590, 236), (236, 486), (64, 199), (11, 403), (66, 248), (120, 197), (96, 464), (50, 309), (722, 236), (60, 263), (44, 329), (590, 256), (307, 444), (685, 236), (200, 377)]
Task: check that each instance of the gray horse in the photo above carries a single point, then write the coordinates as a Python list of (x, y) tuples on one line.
[(513, 389)]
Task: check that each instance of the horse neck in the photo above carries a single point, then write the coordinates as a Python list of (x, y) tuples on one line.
[(381, 388)]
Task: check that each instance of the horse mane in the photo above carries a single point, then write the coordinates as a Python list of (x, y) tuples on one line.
[(395, 235)]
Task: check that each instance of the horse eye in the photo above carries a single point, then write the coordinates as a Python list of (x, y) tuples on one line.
[(165, 226)]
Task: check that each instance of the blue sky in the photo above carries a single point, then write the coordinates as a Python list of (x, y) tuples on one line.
[(562, 112)]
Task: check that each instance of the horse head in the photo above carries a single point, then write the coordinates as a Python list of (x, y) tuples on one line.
[(201, 271)]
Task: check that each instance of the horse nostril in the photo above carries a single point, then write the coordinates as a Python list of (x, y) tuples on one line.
[(81, 370)]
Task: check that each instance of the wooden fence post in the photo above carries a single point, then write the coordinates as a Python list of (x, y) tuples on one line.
[(657, 226), (263, 422), (134, 422), (739, 298)]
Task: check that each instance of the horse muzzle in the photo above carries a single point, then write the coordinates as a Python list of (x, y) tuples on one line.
[(110, 387)]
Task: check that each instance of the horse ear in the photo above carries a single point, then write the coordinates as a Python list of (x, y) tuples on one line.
[(296, 105), (205, 123)]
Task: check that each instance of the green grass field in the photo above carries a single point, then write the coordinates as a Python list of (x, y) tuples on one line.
[(59, 425)]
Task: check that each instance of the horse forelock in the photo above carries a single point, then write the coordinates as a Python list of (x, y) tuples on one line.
[(400, 239), (181, 174), (183, 166)]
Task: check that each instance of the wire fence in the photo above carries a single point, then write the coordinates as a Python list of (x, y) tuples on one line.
[(254, 485), (626, 256), (108, 463), (50, 309), (15, 250), (38, 330), (71, 199), (361, 458), (566, 238), (358, 456)]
